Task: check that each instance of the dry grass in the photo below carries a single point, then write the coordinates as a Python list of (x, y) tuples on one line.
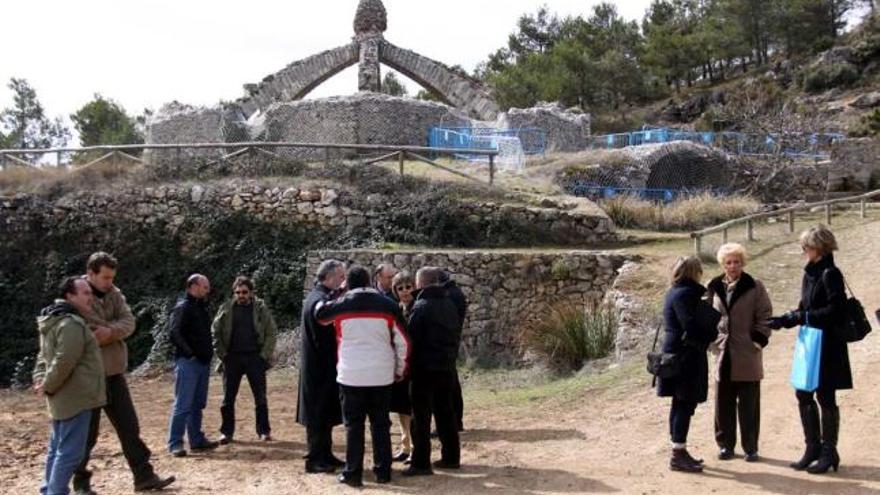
[(52, 180), (567, 336), (685, 214)]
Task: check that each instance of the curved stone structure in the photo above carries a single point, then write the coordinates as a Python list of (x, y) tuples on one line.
[(299, 78), (457, 90), (369, 48)]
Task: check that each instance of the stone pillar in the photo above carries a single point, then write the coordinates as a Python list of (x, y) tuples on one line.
[(370, 21), (369, 76)]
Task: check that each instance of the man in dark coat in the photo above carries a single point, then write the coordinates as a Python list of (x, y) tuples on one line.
[(435, 333), (318, 407), (460, 301)]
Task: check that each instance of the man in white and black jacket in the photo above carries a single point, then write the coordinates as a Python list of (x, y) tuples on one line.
[(373, 353)]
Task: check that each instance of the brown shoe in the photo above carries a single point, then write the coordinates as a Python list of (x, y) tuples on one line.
[(682, 461)]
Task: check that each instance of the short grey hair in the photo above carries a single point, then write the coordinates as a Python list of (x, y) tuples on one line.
[(428, 275), (327, 267)]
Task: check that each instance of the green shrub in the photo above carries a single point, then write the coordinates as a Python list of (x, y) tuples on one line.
[(827, 76), (868, 125), (689, 213), (567, 336)]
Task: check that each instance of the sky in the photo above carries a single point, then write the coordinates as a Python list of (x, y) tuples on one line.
[(145, 53)]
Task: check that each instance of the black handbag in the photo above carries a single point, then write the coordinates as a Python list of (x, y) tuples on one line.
[(662, 364), (856, 325)]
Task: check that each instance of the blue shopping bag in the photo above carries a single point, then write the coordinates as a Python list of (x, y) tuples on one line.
[(807, 355)]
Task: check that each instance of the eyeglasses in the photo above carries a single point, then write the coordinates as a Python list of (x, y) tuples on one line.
[(403, 287)]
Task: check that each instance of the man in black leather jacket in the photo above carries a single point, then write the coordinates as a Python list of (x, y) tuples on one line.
[(435, 333), (190, 330)]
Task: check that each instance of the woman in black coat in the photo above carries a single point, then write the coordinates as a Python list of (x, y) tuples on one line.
[(823, 297), (691, 325)]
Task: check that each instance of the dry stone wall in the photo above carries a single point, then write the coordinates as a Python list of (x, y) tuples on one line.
[(566, 130), (321, 208), (364, 118), (506, 290)]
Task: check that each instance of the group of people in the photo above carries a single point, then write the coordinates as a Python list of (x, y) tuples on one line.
[(375, 345), (370, 345), (736, 329)]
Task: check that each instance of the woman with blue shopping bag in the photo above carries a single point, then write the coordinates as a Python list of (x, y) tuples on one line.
[(821, 312)]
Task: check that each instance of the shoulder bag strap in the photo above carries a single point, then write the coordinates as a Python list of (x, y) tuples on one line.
[(656, 334)]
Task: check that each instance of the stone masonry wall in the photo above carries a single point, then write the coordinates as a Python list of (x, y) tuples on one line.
[(321, 208), (506, 290), (364, 118)]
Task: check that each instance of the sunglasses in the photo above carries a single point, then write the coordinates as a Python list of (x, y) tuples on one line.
[(404, 287)]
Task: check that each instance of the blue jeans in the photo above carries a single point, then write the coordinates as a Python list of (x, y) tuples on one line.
[(67, 446), (190, 398)]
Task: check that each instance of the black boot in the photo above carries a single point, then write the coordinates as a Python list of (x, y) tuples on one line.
[(829, 457), (682, 461), (810, 422)]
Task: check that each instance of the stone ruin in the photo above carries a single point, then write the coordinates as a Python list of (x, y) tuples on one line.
[(273, 109), (676, 165)]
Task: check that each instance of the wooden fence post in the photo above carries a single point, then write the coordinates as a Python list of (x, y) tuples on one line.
[(750, 226), (58, 160), (698, 245), (400, 157), (724, 236), (791, 222), (862, 208), (491, 169), (828, 214)]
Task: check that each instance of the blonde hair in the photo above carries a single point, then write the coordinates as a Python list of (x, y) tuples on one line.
[(732, 249), (401, 278), (687, 268), (819, 238)]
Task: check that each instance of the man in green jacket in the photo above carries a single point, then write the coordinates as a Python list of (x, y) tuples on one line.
[(244, 341), (111, 322), (70, 373)]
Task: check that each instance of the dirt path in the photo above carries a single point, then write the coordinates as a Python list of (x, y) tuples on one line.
[(605, 438)]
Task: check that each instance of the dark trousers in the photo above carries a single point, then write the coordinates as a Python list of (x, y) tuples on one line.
[(742, 399), (358, 403), (680, 419), (120, 411), (458, 403), (319, 440), (236, 366), (434, 391)]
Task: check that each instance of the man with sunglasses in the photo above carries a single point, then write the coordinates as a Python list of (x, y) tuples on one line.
[(244, 341)]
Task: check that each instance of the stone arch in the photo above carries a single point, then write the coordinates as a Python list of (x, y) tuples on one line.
[(299, 78), (457, 90)]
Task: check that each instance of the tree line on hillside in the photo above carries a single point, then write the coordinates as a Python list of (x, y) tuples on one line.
[(25, 124), (604, 62)]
